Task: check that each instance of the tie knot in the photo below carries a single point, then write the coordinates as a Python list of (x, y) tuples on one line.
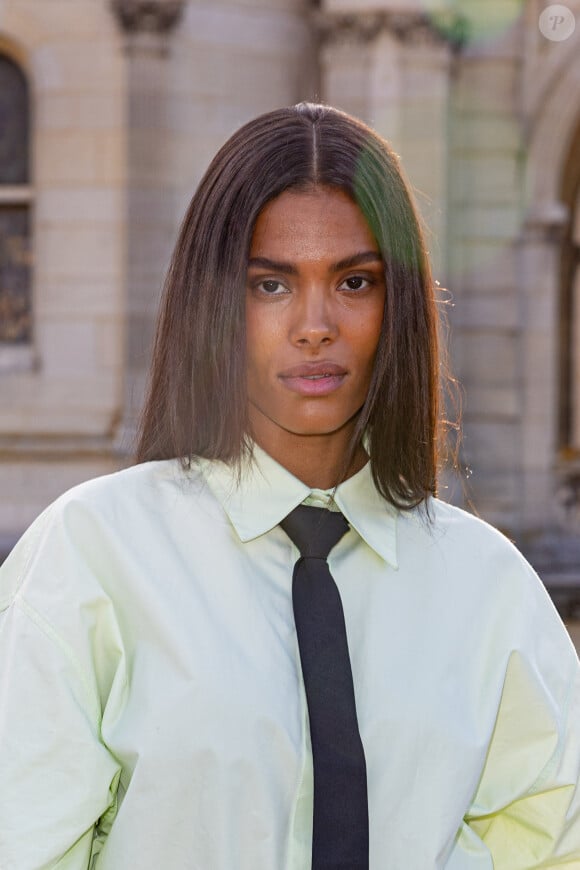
[(314, 530)]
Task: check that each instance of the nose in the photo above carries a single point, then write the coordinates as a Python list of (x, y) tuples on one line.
[(314, 319)]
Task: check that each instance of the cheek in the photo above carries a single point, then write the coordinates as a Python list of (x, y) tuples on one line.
[(377, 324), (368, 337), (374, 341), (263, 327), (262, 341), (252, 333)]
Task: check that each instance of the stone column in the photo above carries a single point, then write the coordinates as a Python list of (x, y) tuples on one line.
[(392, 69), (147, 26), (539, 257)]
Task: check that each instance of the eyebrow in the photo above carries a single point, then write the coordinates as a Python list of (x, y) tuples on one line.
[(290, 268)]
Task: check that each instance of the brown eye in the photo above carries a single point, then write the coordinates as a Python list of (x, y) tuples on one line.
[(355, 282), (270, 286)]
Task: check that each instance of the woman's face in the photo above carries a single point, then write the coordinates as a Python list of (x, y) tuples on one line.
[(315, 298)]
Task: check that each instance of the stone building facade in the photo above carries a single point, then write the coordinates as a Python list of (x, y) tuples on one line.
[(110, 111)]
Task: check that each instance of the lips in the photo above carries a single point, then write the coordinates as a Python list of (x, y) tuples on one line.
[(313, 370), (314, 379)]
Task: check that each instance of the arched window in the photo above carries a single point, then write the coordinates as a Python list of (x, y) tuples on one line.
[(570, 307), (573, 294), (15, 207)]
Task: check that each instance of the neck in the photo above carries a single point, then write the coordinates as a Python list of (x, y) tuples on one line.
[(316, 460)]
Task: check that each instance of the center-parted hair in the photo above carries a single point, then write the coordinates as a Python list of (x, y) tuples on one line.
[(197, 401)]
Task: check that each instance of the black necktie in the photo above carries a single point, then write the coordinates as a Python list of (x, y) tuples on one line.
[(340, 838)]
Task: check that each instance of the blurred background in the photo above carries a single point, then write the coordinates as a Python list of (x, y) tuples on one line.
[(110, 111)]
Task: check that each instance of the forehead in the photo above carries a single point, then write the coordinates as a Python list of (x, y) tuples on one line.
[(313, 225)]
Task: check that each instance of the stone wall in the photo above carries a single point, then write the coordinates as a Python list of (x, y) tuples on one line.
[(63, 400), (127, 110)]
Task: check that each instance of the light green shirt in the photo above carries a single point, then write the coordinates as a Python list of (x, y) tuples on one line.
[(152, 709)]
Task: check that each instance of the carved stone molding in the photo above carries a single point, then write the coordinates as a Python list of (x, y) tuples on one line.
[(414, 28), (148, 16)]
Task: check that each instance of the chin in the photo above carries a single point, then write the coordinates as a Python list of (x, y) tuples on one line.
[(313, 427)]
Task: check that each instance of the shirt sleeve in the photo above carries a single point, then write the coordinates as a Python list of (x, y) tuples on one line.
[(526, 811), (58, 781)]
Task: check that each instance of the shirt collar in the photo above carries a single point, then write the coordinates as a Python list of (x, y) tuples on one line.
[(267, 492)]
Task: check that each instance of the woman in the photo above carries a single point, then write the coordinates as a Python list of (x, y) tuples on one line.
[(159, 708)]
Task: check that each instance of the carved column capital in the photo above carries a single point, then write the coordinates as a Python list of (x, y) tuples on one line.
[(147, 24), (148, 16), (414, 28)]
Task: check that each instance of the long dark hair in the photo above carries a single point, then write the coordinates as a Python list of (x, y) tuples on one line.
[(197, 401)]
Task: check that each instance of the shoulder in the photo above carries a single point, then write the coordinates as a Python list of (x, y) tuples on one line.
[(452, 530), (472, 575), (102, 521), (144, 482), (465, 553), (133, 494)]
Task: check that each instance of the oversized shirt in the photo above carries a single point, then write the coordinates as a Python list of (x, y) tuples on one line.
[(152, 708)]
